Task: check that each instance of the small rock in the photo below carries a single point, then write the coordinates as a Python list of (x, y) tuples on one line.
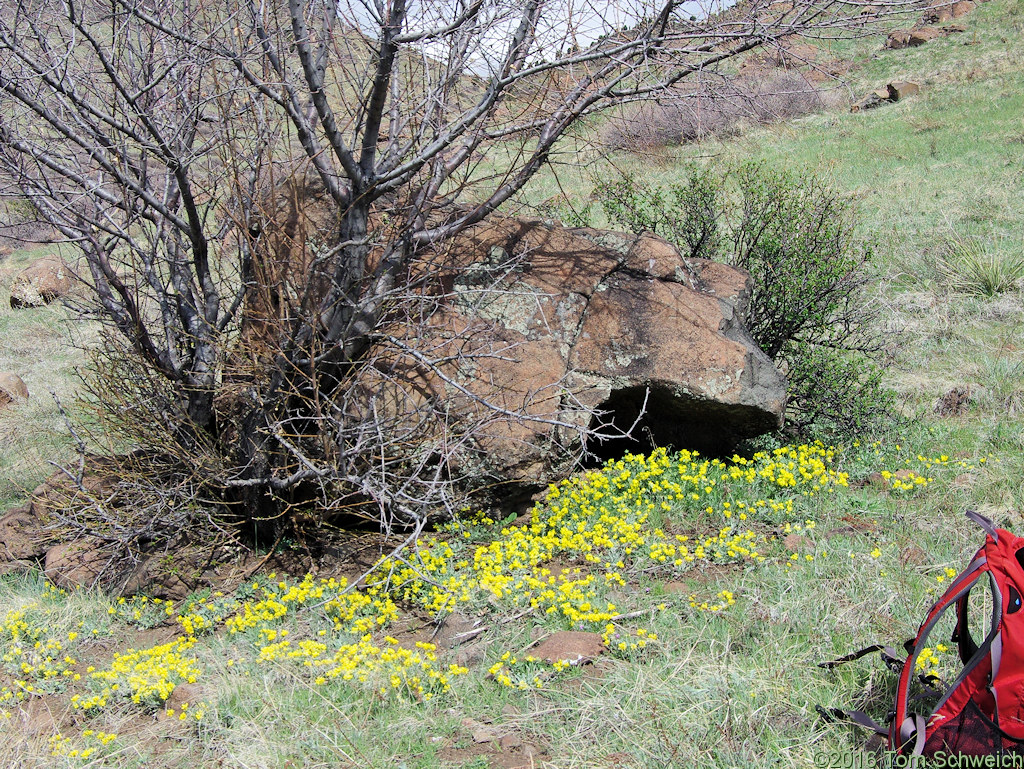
[(480, 732), (876, 480), (42, 282), (470, 655), (898, 39), (20, 535), (901, 89), (454, 630), (572, 646), (944, 10), (184, 694), (962, 8), (921, 35), (511, 741), (619, 760), (12, 388), (938, 15), (911, 38), (872, 100), (795, 543), (153, 575)]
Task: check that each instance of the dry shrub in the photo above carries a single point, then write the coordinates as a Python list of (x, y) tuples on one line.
[(718, 106)]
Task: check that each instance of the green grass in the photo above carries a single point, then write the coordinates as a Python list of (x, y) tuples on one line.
[(732, 686), (946, 161), (43, 346)]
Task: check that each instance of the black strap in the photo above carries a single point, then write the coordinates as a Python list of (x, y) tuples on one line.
[(832, 715), (892, 660), (851, 657), (889, 656)]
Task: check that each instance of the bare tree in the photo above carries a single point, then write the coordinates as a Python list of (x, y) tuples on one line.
[(257, 190)]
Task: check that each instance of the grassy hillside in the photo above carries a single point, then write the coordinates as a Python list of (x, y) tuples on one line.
[(715, 588), (43, 346)]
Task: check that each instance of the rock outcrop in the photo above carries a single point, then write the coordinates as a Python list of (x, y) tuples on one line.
[(584, 332), (44, 281), (938, 12), (893, 92), (26, 537), (911, 38), (944, 10)]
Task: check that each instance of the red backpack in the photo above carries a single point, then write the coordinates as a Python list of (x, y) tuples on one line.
[(982, 711)]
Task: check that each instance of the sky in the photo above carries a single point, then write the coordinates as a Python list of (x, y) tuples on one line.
[(564, 23)]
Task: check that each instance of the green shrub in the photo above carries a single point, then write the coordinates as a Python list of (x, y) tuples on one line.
[(808, 310), (686, 214), (836, 392)]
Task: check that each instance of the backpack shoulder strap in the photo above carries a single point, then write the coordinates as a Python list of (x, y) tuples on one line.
[(967, 647), (986, 523), (905, 726)]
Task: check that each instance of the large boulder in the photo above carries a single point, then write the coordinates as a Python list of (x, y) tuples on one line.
[(569, 339), (44, 281), (12, 388)]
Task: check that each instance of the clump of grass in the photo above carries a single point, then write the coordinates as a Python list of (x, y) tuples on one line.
[(981, 267)]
